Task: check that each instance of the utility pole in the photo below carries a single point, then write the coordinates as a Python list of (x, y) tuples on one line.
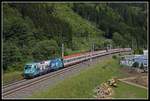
[(92, 51), (107, 48), (110, 48), (62, 54), (91, 55), (93, 47), (132, 45)]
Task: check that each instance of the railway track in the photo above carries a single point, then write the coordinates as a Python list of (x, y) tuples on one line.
[(36, 80), (14, 87), (14, 83)]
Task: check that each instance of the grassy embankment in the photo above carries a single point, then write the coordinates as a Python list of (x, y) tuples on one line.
[(129, 91), (82, 85), (12, 76)]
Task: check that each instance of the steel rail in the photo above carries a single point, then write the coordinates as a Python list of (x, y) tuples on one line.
[(14, 83)]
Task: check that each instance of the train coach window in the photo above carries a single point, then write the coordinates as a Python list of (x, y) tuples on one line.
[(68, 60), (76, 58), (72, 59), (79, 58), (64, 61)]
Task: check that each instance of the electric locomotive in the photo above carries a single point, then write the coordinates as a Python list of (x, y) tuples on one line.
[(32, 70)]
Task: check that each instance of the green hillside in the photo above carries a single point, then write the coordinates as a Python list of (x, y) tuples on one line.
[(36, 31)]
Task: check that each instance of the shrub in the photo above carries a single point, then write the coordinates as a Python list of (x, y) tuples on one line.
[(138, 51), (135, 64), (114, 57)]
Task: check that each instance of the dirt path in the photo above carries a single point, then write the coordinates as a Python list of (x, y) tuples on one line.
[(131, 83)]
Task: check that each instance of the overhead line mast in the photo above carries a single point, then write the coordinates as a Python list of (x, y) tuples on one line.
[(62, 54)]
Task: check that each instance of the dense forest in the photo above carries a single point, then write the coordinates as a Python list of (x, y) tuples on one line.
[(36, 31)]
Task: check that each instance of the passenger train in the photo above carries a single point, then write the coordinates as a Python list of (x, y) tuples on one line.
[(32, 70)]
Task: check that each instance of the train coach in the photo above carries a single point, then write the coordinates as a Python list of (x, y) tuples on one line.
[(86, 56)]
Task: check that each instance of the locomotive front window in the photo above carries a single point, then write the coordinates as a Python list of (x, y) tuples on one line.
[(28, 66)]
